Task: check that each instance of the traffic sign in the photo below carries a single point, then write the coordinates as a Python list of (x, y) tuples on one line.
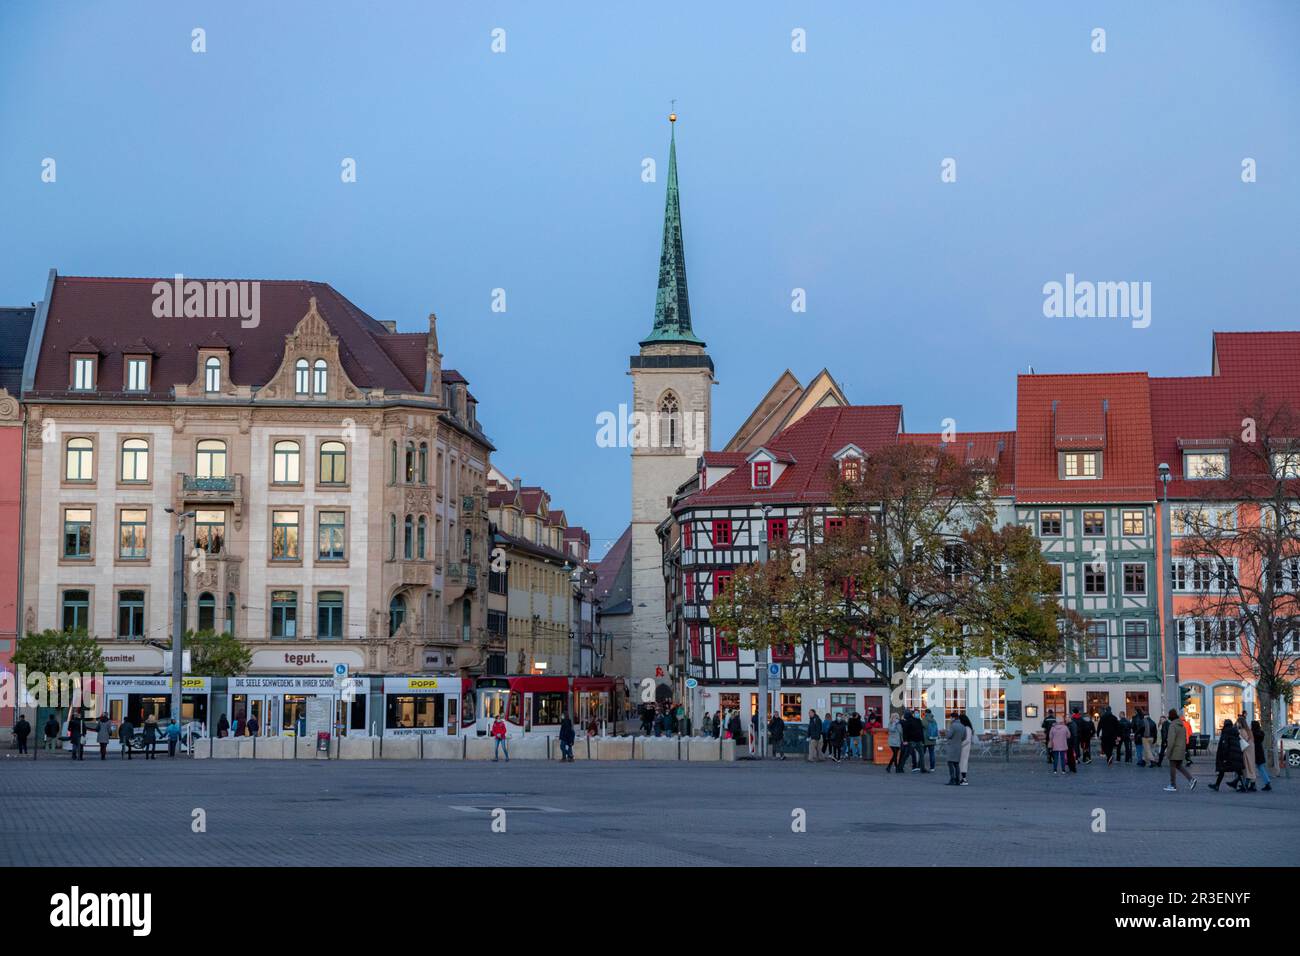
[(692, 683), (774, 670), (340, 669)]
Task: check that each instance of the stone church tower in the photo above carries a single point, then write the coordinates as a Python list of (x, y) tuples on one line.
[(672, 378)]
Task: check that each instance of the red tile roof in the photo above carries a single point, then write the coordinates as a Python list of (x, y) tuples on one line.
[(812, 442), (119, 311), (1109, 411), (996, 447), (1265, 356)]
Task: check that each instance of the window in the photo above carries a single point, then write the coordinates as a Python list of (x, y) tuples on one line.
[(333, 463), (726, 648), (76, 610), (284, 615), (135, 460), (1049, 524), (83, 374), (1134, 524), (330, 536), (1205, 464), (1094, 578), (207, 612), (420, 526), (954, 562), (1060, 578), (410, 462), (287, 464), (468, 549), (424, 463), (132, 537), (1094, 524), (396, 614), (1080, 465), (209, 531), (392, 537), (301, 375), (1096, 645), (850, 468), (1135, 641), (137, 375), (1285, 464), (954, 701), (408, 538), (77, 534), (329, 615), (777, 529), (995, 708), (80, 460), (392, 456), (834, 526), (669, 417), (721, 580), (1135, 579), (230, 613), (762, 474), (284, 536), (1206, 635), (210, 459), (212, 375), (722, 534), (319, 377), (1202, 520)]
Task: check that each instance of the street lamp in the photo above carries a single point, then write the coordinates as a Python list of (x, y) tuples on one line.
[(1166, 617), (178, 609)]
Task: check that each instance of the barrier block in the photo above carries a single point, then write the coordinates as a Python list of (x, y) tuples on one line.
[(201, 749), (224, 748), (357, 748), (728, 750), (482, 748), (704, 749), (532, 747), (272, 748), (444, 748), (245, 747), (659, 748), (399, 748), (612, 748)]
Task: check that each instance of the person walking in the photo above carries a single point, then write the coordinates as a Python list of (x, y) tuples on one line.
[(1048, 722), (150, 736), (567, 738), (776, 735), (22, 730), (931, 727), (895, 745), (1261, 754), (1087, 730), (956, 739), (1072, 745), (1247, 755), (76, 730), (1126, 738), (826, 734), (1058, 743), (103, 734), (125, 735), (814, 737), (966, 745), (1227, 758), (1108, 728), (855, 735), (1164, 739), (51, 730), (1176, 744), (499, 735), (174, 736)]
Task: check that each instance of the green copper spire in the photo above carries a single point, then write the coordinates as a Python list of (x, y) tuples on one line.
[(672, 304)]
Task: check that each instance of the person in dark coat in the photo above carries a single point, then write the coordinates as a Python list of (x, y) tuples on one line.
[(150, 736), (125, 735), (22, 730), (1048, 721), (223, 727), (814, 737), (76, 729), (52, 733), (1227, 759), (914, 741), (838, 730), (1087, 730), (567, 737), (1108, 728), (776, 734), (1072, 744), (1125, 738), (1261, 762), (736, 727)]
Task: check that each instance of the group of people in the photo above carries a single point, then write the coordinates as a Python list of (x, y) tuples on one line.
[(840, 736), (665, 719), (914, 736), (1241, 752), (1069, 740), (80, 728)]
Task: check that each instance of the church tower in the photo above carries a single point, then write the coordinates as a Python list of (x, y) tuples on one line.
[(672, 378)]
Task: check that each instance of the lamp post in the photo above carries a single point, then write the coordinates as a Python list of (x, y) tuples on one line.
[(178, 610), (1169, 644)]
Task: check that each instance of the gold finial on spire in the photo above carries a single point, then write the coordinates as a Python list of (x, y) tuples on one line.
[(672, 117)]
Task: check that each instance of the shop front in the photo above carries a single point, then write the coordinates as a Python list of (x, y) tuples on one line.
[(139, 698), (280, 703), (423, 705), (1092, 699)]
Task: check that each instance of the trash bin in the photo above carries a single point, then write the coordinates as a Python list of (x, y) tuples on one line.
[(880, 752)]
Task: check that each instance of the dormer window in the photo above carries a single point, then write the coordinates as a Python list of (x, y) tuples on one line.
[(319, 377), (137, 374), (1080, 465), (851, 469), (83, 374), (1285, 464), (1198, 465), (301, 376), (762, 474), (212, 375)]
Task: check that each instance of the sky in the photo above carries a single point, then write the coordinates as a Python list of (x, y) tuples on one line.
[(821, 170)]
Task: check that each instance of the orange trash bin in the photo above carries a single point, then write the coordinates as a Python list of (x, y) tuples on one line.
[(880, 752)]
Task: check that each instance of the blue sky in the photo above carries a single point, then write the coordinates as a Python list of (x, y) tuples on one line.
[(816, 170)]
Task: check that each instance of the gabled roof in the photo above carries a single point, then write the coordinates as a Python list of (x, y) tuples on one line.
[(810, 443), (614, 578), (1265, 356), (119, 311), (1108, 411), (784, 404), (995, 448)]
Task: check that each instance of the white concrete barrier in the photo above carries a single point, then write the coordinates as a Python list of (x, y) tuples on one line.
[(201, 749), (444, 748), (529, 747), (482, 748), (703, 749), (273, 748), (612, 748), (357, 748), (399, 748), (728, 750), (658, 748), (224, 748)]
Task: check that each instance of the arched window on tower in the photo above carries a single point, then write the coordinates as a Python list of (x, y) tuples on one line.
[(670, 421)]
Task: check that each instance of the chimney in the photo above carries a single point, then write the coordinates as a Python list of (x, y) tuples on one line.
[(519, 483), (432, 360)]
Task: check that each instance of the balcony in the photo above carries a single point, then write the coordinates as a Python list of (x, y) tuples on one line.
[(462, 576), (227, 490)]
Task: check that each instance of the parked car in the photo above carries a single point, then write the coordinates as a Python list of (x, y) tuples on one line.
[(1291, 745)]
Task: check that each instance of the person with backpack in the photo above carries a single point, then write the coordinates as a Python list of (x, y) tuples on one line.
[(1125, 738), (814, 737), (174, 737), (838, 730), (914, 740), (499, 735)]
